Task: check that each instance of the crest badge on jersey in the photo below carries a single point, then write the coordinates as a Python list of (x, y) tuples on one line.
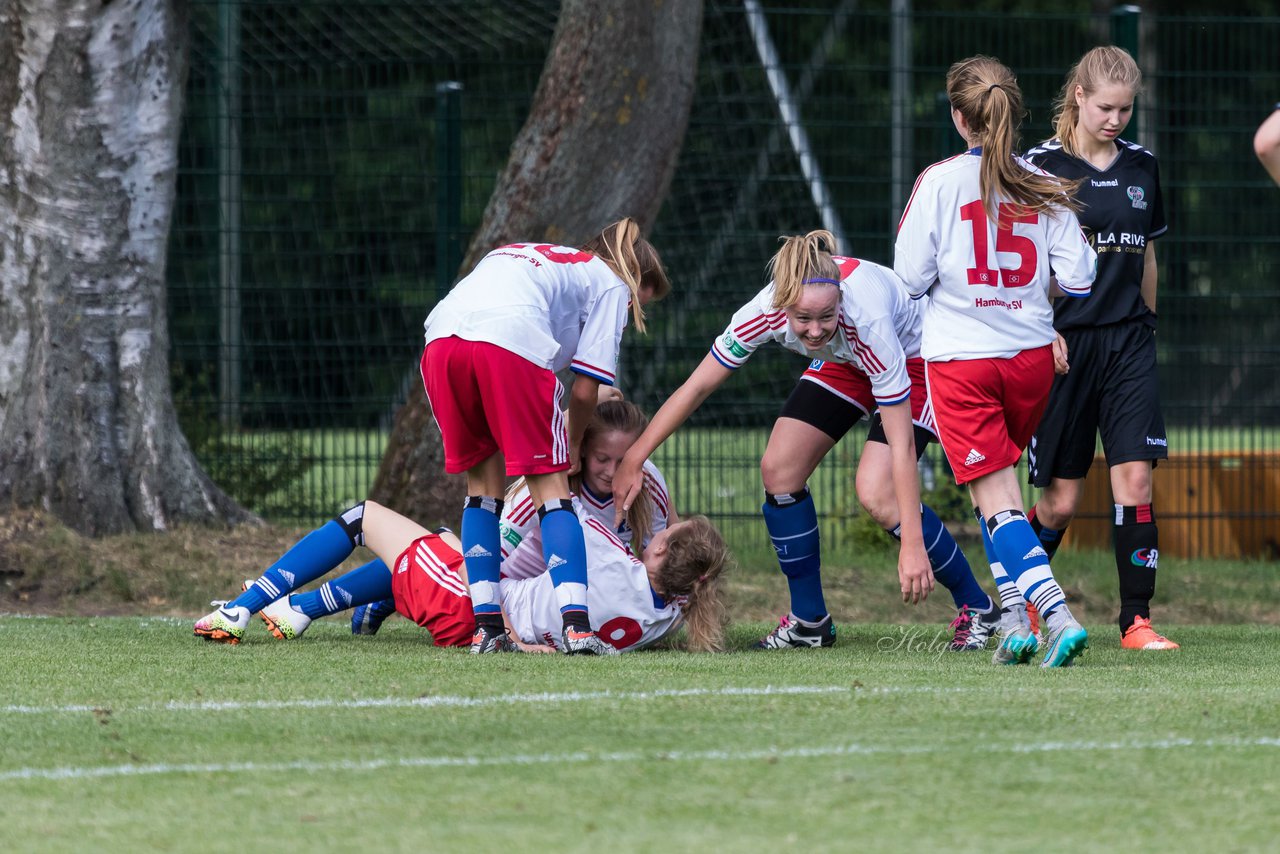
[(731, 344), (1138, 197), (816, 364)]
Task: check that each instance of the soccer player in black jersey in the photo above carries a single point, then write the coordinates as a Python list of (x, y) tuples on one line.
[(1111, 387)]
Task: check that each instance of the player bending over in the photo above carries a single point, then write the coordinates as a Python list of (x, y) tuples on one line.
[(853, 318)]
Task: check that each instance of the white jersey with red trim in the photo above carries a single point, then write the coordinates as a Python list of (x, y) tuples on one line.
[(625, 610), (556, 306), (519, 517), (987, 285), (878, 329)]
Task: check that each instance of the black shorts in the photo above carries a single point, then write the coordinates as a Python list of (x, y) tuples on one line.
[(1111, 389), (832, 414)]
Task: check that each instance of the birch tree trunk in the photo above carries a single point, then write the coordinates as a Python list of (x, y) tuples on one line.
[(92, 98), (601, 142)]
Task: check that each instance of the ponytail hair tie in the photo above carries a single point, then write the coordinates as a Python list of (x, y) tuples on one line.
[(701, 578), (993, 86), (820, 281)]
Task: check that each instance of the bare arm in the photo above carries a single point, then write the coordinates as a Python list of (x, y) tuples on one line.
[(582, 405), (914, 571), (684, 401), (1266, 144), (1149, 275)]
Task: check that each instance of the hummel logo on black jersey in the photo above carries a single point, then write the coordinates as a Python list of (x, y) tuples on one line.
[(974, 457)]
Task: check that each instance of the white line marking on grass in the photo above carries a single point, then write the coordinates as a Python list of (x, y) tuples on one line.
[(836, 750), (548, 698), (439, 701)]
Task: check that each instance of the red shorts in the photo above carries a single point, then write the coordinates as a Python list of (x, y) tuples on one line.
[(846, 381), (987, 409), (487, 399), (428, 590)]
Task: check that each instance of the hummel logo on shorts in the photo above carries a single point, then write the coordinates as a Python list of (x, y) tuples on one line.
[(477, 551), (974, 457), (555, 561)]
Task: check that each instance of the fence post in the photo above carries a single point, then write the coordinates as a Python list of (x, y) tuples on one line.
[(1124, 33), (229, 201), (448, 184)]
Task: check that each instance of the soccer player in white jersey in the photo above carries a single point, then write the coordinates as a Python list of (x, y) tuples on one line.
[(614, 429), (1112, 387), (852, 317), (982, 235), (634, 602), (493, 345)]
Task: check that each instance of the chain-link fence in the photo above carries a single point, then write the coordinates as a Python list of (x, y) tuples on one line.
[(318, 208)]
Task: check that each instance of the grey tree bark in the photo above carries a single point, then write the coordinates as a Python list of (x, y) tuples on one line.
[(92, 96), (601, 142)]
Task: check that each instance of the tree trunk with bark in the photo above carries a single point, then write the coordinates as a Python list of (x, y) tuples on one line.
[(92, 96), (600, 143)]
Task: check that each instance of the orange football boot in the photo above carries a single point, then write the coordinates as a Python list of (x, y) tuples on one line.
[(1141, 636)]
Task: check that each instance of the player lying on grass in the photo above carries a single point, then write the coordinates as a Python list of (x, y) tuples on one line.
[(614, 428), (493, 345), (853, 317), (634, 602)]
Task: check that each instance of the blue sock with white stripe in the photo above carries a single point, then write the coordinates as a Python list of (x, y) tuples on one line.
[(1025, 561), (482, 554), (1010, 596), (360, 586), (565, 551), (950, 566), (319, 552), (792, 522)]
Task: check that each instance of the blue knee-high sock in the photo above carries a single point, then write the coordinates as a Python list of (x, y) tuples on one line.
[(1024, 560), (1007, 590), (950, 566), (565, 552), (368, 583), (315, 554), (792, 522), (482, 553)]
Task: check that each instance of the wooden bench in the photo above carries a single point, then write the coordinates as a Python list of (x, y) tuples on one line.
[(1223, 504)]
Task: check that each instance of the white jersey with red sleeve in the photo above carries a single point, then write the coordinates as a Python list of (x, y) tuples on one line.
[(625, 610), (988, 284), (877, 329), (520, 516), (556, 306)]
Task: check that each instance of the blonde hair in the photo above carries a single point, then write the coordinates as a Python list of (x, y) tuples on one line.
[(611, 415), (621, 416), (986, 93), (696, 558), (632, 259), (1103, 66), (802, 258)]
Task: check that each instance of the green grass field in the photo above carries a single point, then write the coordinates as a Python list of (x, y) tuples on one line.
[(124, 734)]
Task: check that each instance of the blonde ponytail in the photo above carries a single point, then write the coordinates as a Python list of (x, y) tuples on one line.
[(633, 260), (986, 93), (801, 260)]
